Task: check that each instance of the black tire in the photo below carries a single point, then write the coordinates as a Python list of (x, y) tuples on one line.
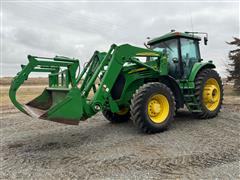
[(139, 107), (116, 118), (200, 82)]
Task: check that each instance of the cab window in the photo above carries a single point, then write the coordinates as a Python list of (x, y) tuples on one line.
[(189, 53)]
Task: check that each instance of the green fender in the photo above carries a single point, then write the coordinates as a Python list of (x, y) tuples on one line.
[(198, 67)]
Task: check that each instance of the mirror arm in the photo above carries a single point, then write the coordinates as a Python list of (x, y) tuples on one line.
[(147, 46)]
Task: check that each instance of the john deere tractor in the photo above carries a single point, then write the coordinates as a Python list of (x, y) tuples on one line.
[(147, 85)]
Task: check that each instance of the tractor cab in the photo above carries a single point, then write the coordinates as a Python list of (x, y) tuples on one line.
[(182, 50)]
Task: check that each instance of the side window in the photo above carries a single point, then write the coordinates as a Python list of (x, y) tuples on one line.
[(189, 53), (171, 47)]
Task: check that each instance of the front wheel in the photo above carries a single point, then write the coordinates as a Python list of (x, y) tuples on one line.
[(152, 107), (122, 116), (209, 93)]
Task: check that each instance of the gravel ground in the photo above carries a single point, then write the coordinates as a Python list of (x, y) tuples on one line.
[(96, 149)]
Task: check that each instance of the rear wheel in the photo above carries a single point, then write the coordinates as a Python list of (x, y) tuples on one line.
[(122, 116), (152, 107), (209, 93)]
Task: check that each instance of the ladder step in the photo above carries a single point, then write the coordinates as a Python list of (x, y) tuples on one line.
[(196, 110), (187, 87), (192, 104), (189, 95)]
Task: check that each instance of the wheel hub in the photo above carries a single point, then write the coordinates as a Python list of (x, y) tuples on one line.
[(211, 94), (158, 108), (154, 107)]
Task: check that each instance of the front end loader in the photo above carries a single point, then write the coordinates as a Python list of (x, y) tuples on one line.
[(147, 85)]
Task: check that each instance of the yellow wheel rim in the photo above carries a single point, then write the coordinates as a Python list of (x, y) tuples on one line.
[(158, 108), (211, 94), (123, 111)]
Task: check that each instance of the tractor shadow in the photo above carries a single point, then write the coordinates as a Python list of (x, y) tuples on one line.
[(85, 134), (185, 115), (90, 133)]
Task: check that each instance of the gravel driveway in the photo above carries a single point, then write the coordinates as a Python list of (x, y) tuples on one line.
[(97, 149)]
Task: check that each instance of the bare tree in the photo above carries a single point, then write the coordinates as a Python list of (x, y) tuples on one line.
[(234, 65)]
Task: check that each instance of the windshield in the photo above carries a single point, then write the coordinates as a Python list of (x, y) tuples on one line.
[(168, 47)]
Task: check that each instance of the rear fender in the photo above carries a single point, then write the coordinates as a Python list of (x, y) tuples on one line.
[(198, 67)]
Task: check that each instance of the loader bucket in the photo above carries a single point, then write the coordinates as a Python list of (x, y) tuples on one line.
[(61, 101), (59, 105)]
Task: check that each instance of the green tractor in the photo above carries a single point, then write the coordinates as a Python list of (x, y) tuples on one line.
[(147, 85)]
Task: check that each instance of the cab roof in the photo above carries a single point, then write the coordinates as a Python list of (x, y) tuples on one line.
[(172, 35)]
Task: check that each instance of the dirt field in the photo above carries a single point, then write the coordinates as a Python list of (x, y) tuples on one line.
[(97, 149)]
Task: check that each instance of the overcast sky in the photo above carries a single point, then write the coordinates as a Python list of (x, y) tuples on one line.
[(76, 29)]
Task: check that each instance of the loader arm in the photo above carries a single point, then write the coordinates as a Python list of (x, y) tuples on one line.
[(69, 100)]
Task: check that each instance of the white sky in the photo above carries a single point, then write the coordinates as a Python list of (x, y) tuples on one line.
[(77, 29)]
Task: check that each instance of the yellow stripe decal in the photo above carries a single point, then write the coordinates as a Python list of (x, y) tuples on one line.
[(137, 70), (147, 54)]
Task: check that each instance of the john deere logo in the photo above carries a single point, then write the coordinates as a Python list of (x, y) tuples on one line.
[(147, 54)]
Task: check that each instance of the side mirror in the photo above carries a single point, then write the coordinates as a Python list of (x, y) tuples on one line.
[(175, 60), (205, 40)]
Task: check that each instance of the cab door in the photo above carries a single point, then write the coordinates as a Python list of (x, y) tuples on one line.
[(189, 55)]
